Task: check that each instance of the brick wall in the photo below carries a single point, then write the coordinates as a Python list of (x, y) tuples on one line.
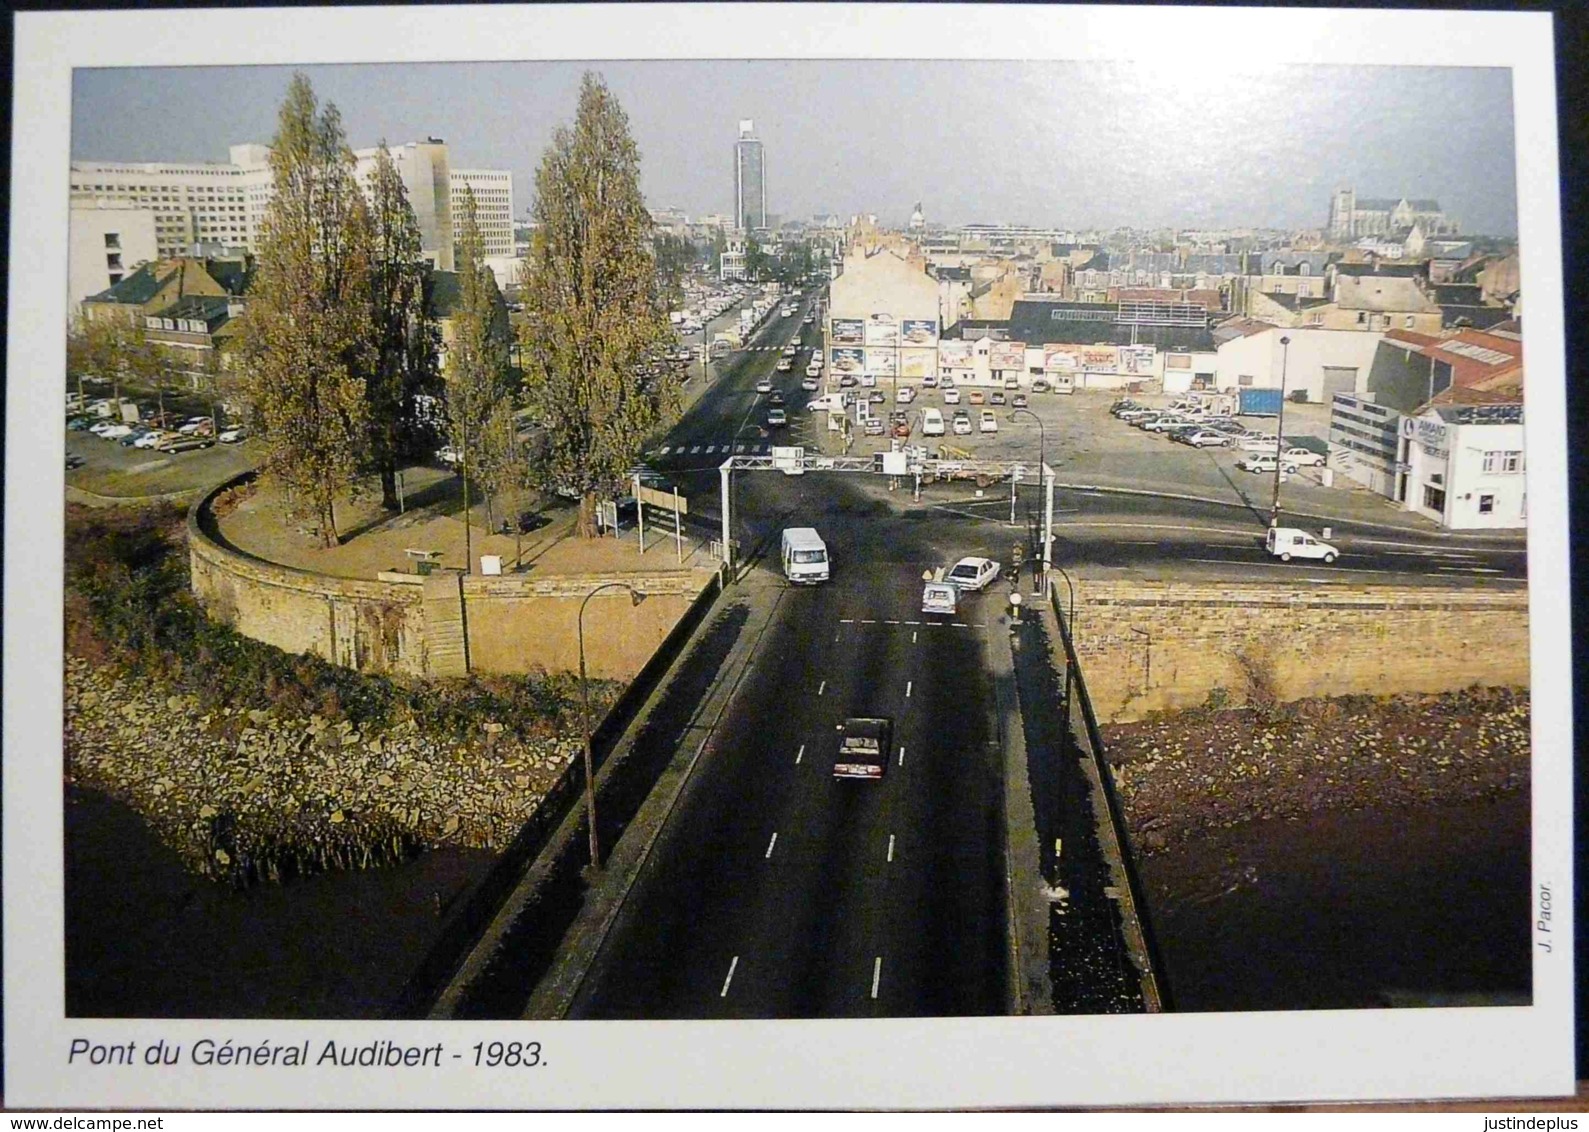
[(514, 624), (1146, 646)]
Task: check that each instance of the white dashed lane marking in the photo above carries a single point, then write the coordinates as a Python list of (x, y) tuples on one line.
[(770, 844), (877, 975), (890, 848), (735, 963), (908, 685), (822, 687), (800, 754), (902, 756)]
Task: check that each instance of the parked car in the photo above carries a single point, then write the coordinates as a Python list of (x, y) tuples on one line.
[(1164, 423), (73, 460), (233, 435), (1125, 404), (790, 350), (876, 397), (931, 422), (975, 396), (996, 397), (98, 427), (951, 395), (115, 431), (930, 381), (1039, 386), (450, 456), (905, 394), (134, 436), (1205, 438), (176, 442), (962, 423), (874, 426), (1012, 382), (810, 384), (1303, 457), (848, 381), (1137, 413), (78, 424), (153, 437), (1261, 442), (1019, 401), (990, 422), (900, 424), (939, 597), (973, 573), (1286, 543), (1265, 462)]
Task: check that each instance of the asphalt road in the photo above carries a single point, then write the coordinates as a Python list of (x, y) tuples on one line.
[(779, 891)]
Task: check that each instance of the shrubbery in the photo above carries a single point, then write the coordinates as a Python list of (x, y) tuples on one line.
[(128, 602)]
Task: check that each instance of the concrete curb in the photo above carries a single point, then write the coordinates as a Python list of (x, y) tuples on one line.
[(555, 994), (1030, 983), (93, 499)]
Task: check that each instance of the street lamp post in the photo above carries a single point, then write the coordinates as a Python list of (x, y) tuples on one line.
[(1280, 436), (584, 718), (1042, 466)]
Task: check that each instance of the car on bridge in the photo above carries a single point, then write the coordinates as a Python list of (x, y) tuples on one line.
[(863, 747), (973, 573)]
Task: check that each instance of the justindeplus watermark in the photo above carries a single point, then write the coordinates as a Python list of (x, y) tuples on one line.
[(1531, 1123)]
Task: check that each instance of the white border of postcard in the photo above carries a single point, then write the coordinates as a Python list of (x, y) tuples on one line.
[(1170, 1059)]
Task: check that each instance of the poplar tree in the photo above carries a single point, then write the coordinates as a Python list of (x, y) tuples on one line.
[(403, 334), (305, 337), (595, 319), (479, 402)]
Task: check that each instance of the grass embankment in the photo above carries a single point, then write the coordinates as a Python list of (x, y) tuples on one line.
[(253, 763)]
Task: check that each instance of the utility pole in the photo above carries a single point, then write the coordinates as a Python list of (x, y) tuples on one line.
[(1280, 436)]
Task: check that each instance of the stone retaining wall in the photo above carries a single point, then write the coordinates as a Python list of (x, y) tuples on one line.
[(513, 623), (1146, 646)]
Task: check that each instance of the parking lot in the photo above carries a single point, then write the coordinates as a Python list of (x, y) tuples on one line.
[(109, 468)]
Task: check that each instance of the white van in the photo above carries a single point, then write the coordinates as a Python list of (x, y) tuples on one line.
[(805, 556), (931, 422), (1286, 543)]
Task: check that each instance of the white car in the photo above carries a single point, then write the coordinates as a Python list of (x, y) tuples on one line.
[(810, 383), (1207, 438), (1286, 543), (233, 436), (930, 381), (152, 439), (973, 573), (1303, 457), (790, 350), (98, 427), (990, 423), (1259, 462), (764, 385), (1262, 442), (776, 418), (951, 395), (450, 456), (116, 431), (785, 365), (905, 395), (931, 422), (962, 423)]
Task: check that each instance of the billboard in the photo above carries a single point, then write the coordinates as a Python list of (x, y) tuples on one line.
[(847, 360), (847, 332), (1007, 355), (954, 354), (1136, 359), (882, 330), (917, 363), (920, 331), (1099, 359), (881, 362), (1060, 359)]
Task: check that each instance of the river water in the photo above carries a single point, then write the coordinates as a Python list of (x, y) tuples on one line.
[(1423, 906)]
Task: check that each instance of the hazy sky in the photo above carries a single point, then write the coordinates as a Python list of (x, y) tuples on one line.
[(1074, 144)]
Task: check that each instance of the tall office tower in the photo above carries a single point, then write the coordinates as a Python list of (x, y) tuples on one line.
[(750, 180)]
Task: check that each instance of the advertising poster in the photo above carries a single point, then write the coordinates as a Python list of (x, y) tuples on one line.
[(1007, 355), (1060, 359), (918, 363), (882, 330), (881, 362), (848, 331), (920, 331), (1136, 359), (954, 354), (847, 360), (1099, 359)]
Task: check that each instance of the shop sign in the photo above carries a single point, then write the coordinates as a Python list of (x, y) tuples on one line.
[(955, 354), (881, 362), (1059, 359), (1099, 359), (1007, 355), (848, 360)]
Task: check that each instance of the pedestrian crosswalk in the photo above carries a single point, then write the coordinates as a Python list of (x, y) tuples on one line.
[(777, 349), (675, 452)]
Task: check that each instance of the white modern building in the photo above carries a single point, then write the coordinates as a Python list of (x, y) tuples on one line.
[(1464, 466), (493, 198), (1311, 362), (106, 243), (224, 203)]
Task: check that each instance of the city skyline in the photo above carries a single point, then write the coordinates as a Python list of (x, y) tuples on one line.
[(998, 143)]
